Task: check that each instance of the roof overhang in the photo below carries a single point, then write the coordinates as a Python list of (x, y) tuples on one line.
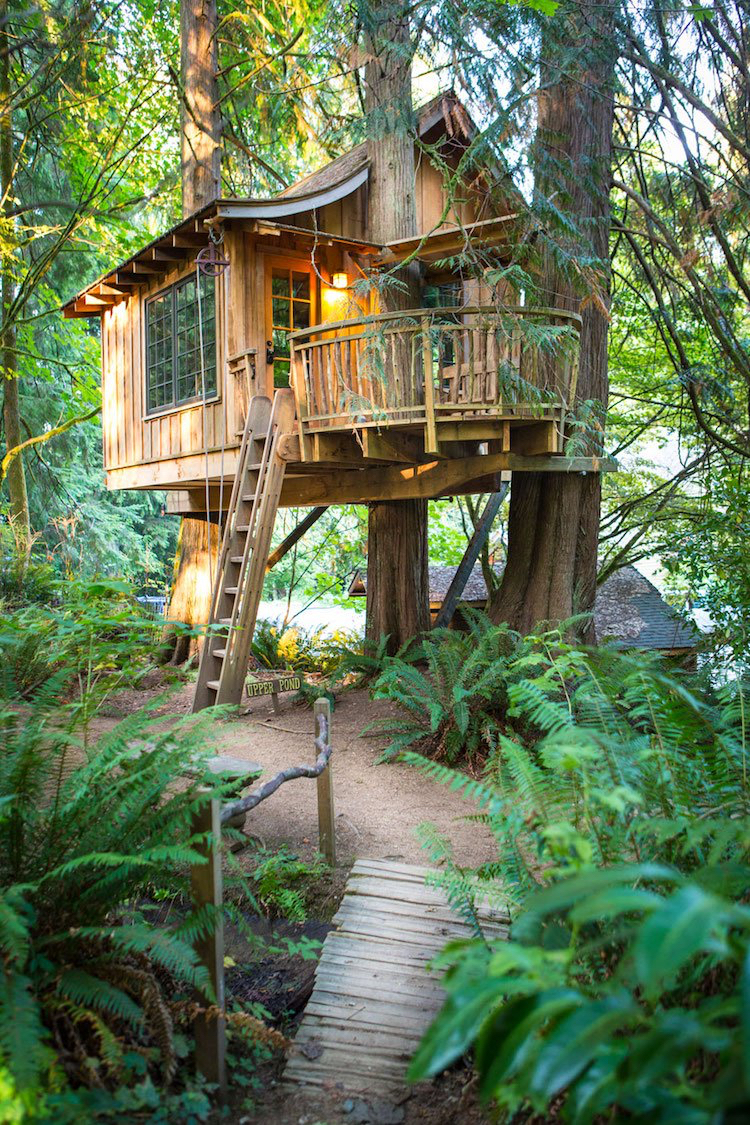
[(182, 242)]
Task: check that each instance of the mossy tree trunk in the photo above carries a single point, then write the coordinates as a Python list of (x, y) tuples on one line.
[(397, 578), (17, 492), (554, 517)]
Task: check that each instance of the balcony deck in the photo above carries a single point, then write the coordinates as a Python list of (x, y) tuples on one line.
[(408, 385), (423, 404)]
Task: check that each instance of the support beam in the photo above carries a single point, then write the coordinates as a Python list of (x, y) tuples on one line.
[(389, 445), (536, 439), (465, 567), (468, 475), (295, 535)]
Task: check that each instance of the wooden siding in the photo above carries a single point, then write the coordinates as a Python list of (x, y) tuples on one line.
[(132, 436), (171, 445)]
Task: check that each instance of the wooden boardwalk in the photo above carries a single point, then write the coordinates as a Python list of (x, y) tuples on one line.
[(374, 996)]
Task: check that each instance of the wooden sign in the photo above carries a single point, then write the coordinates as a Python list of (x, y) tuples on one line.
[(289, 681)]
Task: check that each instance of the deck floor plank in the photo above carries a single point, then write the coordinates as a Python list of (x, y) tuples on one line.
[(374, 994)]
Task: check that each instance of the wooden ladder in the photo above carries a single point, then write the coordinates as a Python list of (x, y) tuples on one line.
[(245, 548)]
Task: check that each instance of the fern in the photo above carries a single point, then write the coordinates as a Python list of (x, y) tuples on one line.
[(83, 834)]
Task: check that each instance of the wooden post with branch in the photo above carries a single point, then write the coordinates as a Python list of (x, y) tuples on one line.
[(326, 815), (209, 1027), (206, 883)]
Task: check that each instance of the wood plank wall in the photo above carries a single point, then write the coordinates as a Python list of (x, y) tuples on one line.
[(158, 442), (133, 437)]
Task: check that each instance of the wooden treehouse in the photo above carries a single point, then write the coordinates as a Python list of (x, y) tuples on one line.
[(245, 367)]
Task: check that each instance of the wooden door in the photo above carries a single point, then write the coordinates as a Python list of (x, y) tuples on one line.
[(290, 305)]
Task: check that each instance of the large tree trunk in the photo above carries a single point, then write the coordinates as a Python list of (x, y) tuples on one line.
[(19, 500), (197, 557), (195, 565), (554, 517), (200, 115), (397, 577)]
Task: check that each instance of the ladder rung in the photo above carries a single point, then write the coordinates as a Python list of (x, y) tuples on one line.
[(213, 684), (245, 528), (220, 652), (236, 559), (231, 589), (225, 621)]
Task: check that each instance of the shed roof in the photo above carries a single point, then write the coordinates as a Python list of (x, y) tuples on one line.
[(628, 609)]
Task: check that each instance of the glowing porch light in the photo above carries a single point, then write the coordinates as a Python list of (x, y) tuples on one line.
[(340, 281)]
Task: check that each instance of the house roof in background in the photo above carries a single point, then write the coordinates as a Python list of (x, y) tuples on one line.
[(628, 610)]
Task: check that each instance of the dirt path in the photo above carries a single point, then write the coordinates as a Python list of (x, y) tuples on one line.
[(378, 809), (378, 806)]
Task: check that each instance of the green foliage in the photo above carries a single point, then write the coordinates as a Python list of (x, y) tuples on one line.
[(291, 647), (622, 820), (450, 708), (88, 978), (624, 993), (94, 638), (282, 883)]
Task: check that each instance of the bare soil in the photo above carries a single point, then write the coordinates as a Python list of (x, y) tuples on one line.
[(378, 805), (378, 809)]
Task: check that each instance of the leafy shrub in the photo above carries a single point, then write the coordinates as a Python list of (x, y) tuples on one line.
[(282, 881), (624, 993), (88, 981), (452, 707), (93, 640), (622, 821), (278, 646), (24, 577)]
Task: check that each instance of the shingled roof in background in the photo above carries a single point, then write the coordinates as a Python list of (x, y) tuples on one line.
[(629, 610)]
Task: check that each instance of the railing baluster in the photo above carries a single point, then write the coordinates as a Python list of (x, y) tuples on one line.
[(431, 444), (362, 368)]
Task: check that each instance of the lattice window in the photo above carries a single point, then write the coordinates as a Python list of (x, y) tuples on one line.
[(290, 310), (173, 338)]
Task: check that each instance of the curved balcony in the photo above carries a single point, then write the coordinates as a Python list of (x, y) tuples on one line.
[(424, 367)]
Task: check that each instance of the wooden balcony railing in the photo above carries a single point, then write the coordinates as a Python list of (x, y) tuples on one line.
[(427, 364)]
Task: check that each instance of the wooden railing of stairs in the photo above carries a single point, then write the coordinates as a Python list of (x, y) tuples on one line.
[(243, 559)]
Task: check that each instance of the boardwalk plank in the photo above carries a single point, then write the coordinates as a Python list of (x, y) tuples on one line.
[(374, 995)]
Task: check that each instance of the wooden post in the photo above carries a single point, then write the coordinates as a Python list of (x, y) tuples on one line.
[(431, 441), (206, 886), (326, 817)]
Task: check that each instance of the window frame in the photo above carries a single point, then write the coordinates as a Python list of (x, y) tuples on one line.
[(287, 262), (194, 400)]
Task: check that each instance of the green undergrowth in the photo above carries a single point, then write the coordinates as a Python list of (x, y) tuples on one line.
[(618, 796), (97, 838)]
